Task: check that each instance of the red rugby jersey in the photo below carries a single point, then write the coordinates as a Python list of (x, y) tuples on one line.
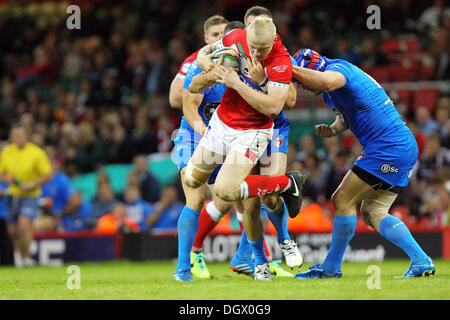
[(185, 65), (234, 111)]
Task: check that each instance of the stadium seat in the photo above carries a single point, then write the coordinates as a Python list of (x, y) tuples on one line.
[(402, 213), (401, 45), (427, 98), (381, 74), (404, 98), (400, 74)]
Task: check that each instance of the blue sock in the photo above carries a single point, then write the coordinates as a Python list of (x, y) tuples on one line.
[(343, 231), (279, 221), (397, 232), (244, 251), (258, 251), (187, 229)]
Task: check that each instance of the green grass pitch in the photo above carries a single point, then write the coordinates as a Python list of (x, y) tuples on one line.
[(153, 281)]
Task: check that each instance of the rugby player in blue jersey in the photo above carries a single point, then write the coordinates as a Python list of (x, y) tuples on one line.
[(384, 166)]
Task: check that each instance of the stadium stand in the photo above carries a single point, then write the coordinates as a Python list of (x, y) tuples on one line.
[(99, 94)]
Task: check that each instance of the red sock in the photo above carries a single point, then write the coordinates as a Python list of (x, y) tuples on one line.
[(257, 185), (266, 250), (205, 225)]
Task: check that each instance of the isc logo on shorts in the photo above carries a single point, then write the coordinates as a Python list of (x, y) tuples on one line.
[(387, 168)]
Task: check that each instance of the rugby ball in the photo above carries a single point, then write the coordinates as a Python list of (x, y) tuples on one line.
[(231, 57)]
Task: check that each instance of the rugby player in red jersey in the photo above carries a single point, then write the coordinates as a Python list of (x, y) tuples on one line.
[(241, 128)]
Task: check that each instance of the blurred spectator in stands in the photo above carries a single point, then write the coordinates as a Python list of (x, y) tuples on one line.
[(443, 120), (338, 170), (143, 138), (137, 208), (344, 50), (73, 61), (164, 129), (431, 18), (120, 150), (109, 94), (308, 147), (371, 55), (437, 198), (117, 221), (331, 148), (86, 96), (434, 157), (420, 137), (103, 204), (8, 104), (118, 52), (426, 124), (440, 52), (89, 152), (291, 155), (317, 172), (63, 207), (306, 38), (102, 178), (149, 185), (158, 77), (166, 211)]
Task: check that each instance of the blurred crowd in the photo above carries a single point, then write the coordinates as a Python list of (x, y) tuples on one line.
[(98, 95)]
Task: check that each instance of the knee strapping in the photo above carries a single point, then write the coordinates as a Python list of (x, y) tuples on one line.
[(196, 176), (375, 210)]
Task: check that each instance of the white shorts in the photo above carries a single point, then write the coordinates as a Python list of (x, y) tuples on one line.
[(221, 139)]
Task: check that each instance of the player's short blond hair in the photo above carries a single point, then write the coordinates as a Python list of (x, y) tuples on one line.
[(213, 21), (262, 26)]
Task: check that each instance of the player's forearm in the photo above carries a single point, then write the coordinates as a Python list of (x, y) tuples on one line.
[(201, 82), (292, 97), (176, 93), (195, 121), (264, 103), (191, 102), (310, 78)]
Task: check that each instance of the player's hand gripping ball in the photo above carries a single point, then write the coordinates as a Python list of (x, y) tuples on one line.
[(230, 57)]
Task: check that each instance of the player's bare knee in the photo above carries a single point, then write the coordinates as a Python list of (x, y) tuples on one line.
[(272, 202), (253, 209), (196, 200), (341, 199), (226, 192)]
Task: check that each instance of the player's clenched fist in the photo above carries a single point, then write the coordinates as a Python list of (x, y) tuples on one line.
[(256, 70), (325, 131), (228, 77)]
